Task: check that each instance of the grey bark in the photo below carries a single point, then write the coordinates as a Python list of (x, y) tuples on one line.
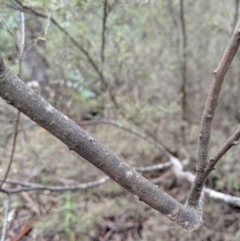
[(16, 93)]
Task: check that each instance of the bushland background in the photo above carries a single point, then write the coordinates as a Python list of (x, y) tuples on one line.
[(146, 64)]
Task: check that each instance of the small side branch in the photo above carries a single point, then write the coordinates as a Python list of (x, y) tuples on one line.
[(175, 165), (229, 199), (27, 186), (13, 150), (232, 141), (157, 145), (183, 68), (105, 14), (10, 31), (33, 186)]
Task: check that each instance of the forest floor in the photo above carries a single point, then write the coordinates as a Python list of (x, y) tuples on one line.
[(103, 213)]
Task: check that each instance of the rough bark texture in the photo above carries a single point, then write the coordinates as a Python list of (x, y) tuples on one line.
[(16, 93)]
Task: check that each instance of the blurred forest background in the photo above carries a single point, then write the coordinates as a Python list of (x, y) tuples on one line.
[(146, 64)]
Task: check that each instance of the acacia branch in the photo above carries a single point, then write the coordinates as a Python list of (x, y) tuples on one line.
[(16, 93), (208, 114)]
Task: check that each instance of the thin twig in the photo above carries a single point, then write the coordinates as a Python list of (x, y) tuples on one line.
[(105, 15), (5, 220), (21, 51), (33, 186), (105, 84), (11, 132), (77, 44), (232, 141), (72, 39), (10, 32), (47, 24), (208, 114), (176, 167), (183, 70), (13, 150), (129, 130), (118, 125), (160, 166), (235, 18), (229, 199)]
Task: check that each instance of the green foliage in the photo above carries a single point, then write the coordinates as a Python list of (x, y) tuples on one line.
[(68, 210)]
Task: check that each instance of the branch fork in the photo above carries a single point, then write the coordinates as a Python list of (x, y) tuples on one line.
[(203, 166)]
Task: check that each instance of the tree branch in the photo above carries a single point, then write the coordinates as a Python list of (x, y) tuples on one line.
[(208, 114), (15, 92)]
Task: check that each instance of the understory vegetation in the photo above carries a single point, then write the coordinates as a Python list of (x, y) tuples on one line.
[(126, 72)]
